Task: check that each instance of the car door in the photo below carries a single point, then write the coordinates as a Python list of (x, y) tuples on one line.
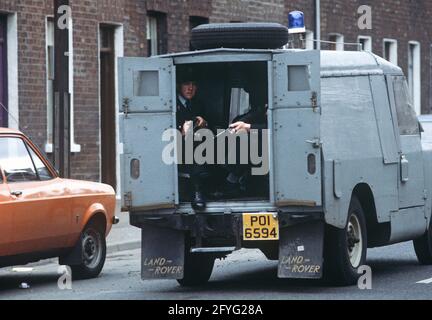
[(5, 217), (40, 213)]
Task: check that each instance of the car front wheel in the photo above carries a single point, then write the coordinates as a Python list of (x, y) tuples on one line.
[(93, 246)]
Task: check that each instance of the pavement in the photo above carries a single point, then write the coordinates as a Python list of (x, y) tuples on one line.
[(123, 236)]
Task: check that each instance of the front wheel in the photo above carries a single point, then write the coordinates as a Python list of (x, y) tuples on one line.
[(423, 247), (345, 249), (93, 246)]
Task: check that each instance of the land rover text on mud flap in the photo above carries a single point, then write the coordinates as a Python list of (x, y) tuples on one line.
[(347, 168)]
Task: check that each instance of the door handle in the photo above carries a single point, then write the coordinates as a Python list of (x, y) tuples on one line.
[(17, 193), (404, 169)]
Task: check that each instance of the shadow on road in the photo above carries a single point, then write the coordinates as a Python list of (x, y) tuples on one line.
[(13, 281), (264, 279)]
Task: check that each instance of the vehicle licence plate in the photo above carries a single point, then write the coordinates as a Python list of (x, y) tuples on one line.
[(260, 226)]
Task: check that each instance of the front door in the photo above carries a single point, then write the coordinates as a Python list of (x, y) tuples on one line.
[(5, 217), (411, 173), (295, 110), (3, 74), (39, 209)]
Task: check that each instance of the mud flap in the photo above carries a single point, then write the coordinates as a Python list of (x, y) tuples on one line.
[(163, 252), (301, 251)]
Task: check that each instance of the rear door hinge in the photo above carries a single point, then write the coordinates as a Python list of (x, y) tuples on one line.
[(128, 200), (316, 143), (314, 101), (126, 102)]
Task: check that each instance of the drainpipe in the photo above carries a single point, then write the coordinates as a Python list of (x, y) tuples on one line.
[(61, 143), (318, 24)]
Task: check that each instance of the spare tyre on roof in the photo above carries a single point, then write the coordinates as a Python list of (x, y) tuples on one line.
[(240, 36)]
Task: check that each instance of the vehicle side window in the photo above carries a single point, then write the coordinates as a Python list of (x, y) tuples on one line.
[(16, 161), (41, 168), (407, 118)]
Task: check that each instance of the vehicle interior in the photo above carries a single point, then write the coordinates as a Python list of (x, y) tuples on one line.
[(226, 92)]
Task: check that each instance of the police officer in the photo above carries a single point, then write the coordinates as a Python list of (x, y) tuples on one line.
[(255, 119), (190, 116)]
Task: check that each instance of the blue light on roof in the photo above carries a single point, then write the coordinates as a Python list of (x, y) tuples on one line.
[(296, 22)]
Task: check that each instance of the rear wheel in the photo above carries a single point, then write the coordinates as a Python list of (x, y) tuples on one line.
[(346, 248), (423, 247), (93, 246), (198, 268)]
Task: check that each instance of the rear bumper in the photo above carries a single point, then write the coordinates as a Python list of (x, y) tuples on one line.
[(217, 229), (167, 239)]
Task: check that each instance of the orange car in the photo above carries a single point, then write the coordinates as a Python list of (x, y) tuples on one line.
[(43, 216)]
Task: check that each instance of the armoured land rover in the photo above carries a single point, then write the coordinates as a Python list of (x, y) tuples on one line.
[(348, 169)]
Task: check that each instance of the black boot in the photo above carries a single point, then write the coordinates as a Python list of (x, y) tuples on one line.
[(198, 199)]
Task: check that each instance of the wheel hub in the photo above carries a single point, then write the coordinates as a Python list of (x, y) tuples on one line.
[(354, 241), (91, 248)]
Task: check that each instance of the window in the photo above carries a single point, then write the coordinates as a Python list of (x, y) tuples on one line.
[(156, 33), (41, 169), (146, 83), (366, 43), (414, 74), (407, 118), (240, 103), (309, 41), (194, 22), (50, 75), (390, 51), (16, 161), (337, 42), (3, 74), (298, 78)]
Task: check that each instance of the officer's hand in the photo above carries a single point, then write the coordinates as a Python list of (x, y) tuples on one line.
[(240, 126), (187, 126), (200, 122)]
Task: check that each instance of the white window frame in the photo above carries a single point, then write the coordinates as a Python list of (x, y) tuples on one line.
[(340, 41), (152, 34), (12, 71), (310, 40), (49, 41), (414, 74), (75, 148), (393, 58), (368, 43)]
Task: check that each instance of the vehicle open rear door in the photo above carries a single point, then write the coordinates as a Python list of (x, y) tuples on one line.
[(147, 91), (296, 128)]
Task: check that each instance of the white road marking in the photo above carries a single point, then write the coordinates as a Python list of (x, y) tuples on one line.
[(427, 281)]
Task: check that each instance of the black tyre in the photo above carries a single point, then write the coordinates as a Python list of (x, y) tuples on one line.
[(423, 247), (93, 244), (198, 268), (345, 249), (240, 35)]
